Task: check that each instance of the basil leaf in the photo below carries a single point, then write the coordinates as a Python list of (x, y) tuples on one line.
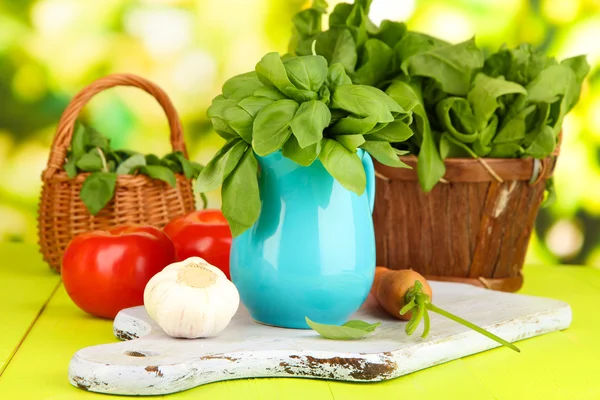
[(219, 105), (514, 129), (160, 172), (482, 146), (220, 166), (301, 95), (352, 331), (484, 94), (506, 150), (340, 14), (306, 72), (359, 100), (396, 131), (581, 68), (338, 46), (543, 145), (253, 104), (240, 194), (71, 168), (190, 169), (384, 153), (408, 95), (241, 86), (97, 190), (152, 159), (171, 164), (357, 24), (362, 325), (131, 164), (452, 147), (351, 142), (302, 156), (353, 125), (307, 22), (336, 76), (269, 93), (90, 161), (96, 139), (391, 32), (271, 72), (310, 120), (324, 95), (345, 166), (456, 116), (451, 66), (240, 121), (414, 43), (272, 126), (430, 166), (78, 142), (376, 59)]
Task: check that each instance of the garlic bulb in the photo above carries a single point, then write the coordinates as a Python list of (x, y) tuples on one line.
[(191, 299)]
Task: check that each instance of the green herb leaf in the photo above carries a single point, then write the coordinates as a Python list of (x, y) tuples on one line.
[(271, 72), (70, 167), (97, 190), (221, 165), (351, 330), (396, 131), (384, 153), (451, 66), (340, 14), (452, 147), (338, 46), (306, 72), (78, 142), (272, 126), (337, 76), (360, 101), (152, 159), (269, 93), (357, 24), (131, 164), (242, 183), (506, 150), (240, 120), (310, 120), (302, 156), (90, 161), (96, 139), (376, 59), (353, 125), (241, 86), (161, 173), (324, 95), (344, 165), (484, 94), (351, 142), (456, 116), (482, 146), (430, 166), (543, 145), (391, 32), (253, 104)]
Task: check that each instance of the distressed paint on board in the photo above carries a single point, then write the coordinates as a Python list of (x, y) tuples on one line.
[(149, 362)]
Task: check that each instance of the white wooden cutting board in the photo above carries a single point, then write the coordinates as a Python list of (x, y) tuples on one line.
[(150, 362)]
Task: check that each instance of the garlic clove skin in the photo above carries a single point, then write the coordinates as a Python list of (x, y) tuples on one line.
[(191, 299)]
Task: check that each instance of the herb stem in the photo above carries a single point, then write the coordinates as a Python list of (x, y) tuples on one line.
[(104, 164), (468, 324)]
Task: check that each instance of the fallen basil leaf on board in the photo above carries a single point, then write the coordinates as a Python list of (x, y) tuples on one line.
[(351, 330)]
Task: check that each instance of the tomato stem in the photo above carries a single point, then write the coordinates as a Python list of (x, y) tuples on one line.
[(419, 303)]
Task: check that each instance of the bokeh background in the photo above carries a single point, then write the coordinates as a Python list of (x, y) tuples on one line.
[(50, 49)]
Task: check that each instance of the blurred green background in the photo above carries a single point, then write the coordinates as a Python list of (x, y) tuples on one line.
[(50, 49)]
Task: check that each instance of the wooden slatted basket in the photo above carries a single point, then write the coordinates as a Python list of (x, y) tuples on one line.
[(138, 199), (471, 228)]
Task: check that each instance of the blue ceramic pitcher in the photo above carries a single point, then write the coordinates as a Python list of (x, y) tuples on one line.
[(312, 251)]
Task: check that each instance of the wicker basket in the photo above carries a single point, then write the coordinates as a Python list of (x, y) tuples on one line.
[(138, 199), (471, 228)]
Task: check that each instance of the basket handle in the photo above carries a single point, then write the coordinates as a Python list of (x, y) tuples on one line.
[(66, 124)]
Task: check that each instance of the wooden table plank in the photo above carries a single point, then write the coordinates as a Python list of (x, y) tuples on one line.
[(26, 284), (557, 365)]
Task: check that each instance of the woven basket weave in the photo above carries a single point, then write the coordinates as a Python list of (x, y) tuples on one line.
[(472, 228), (138, 199)]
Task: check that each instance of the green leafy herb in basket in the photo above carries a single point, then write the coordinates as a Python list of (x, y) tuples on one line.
[(308, 109), (91, 152), (509, 104)]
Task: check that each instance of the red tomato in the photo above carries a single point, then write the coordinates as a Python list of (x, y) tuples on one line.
[(204, 234), (107, 271)]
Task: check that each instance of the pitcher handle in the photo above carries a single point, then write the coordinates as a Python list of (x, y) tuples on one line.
[(370, 173)]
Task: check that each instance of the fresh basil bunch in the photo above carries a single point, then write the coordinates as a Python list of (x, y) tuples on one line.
[(308, 110), (90, 151), (510, 104)]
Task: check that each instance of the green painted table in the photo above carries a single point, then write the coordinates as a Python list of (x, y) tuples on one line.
[(41, 329)]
